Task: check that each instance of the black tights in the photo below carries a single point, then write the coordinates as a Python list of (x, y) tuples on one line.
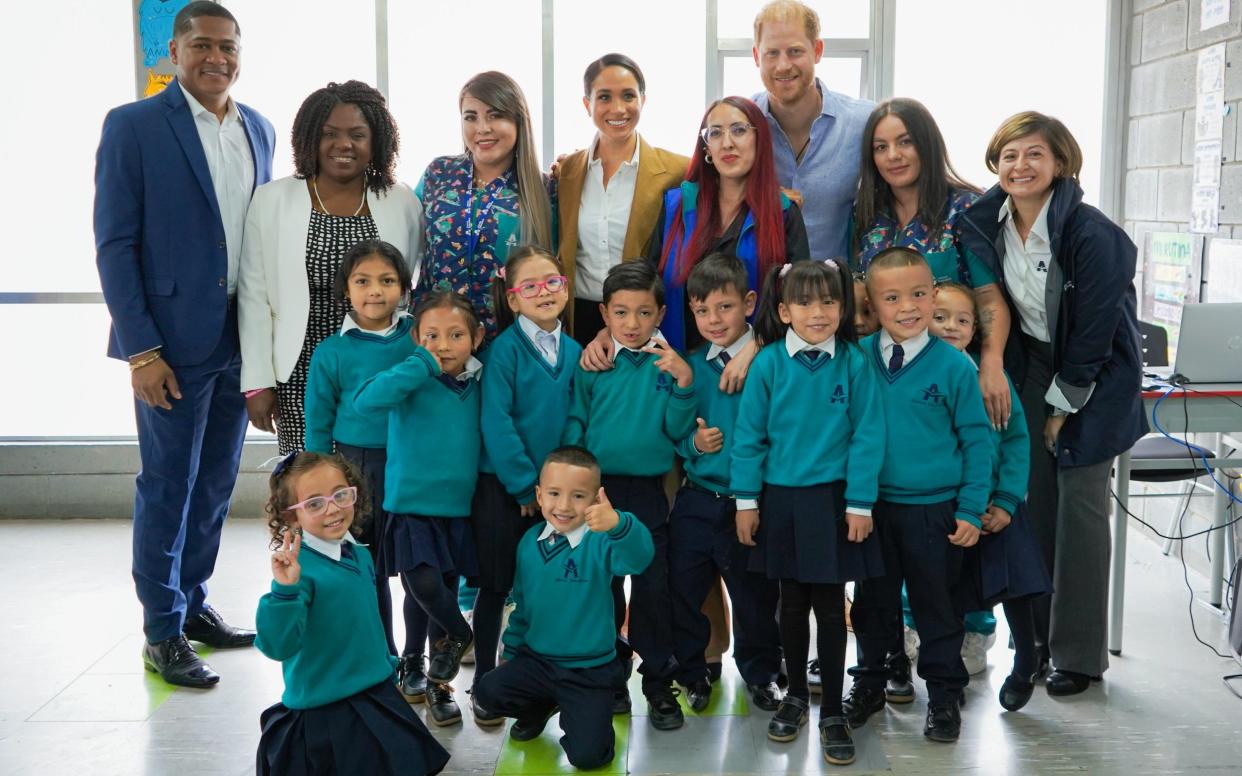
[(798, 600), (416, 627), (1020, 614), (436, 593), (489, 610)]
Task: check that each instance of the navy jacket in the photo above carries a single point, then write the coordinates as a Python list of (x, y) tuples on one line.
[(1092, 315), (159, 238)]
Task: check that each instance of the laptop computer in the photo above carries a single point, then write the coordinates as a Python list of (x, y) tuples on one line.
[(1209, 345)]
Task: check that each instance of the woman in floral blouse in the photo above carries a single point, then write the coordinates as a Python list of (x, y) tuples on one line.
[(909, 195), (478, 205)]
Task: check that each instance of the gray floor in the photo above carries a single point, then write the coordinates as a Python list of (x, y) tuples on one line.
[(74, 697)]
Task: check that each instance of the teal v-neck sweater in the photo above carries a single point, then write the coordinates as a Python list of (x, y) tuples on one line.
[(563, 594), (939, 438), (719, 410), (325, 630), (525, 403), (341, 364), (1011, 470), (805, 421), (630, 416), (433, 437)]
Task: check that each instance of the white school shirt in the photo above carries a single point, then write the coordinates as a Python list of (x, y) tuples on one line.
[(1026, 269), (331, 549), (603, 218), (715, 350), (617, 347), (231, 164), (909, 349), (350, 323), (574, 536), (548, 343)]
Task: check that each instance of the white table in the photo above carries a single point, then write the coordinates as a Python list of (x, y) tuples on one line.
[(1214, 408)]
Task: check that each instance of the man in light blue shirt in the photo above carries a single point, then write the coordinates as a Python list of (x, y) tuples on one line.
[(816, 133)]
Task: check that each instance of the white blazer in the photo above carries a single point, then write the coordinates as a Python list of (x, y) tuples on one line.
[(273, 296)]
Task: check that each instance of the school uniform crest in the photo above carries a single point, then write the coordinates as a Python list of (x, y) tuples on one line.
[(664, 382), (839, 396), (571, 569), (932, 395)]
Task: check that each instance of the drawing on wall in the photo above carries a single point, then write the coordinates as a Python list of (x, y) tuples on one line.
[(155, 28)]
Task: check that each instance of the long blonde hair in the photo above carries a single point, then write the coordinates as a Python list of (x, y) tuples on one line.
[(502, 94)]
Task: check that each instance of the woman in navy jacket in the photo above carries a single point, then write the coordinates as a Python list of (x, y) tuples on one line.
[(1068, 272)]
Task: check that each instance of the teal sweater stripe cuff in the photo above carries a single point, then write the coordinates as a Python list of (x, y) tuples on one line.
[(288, 592), (683, 393), (976, 522), (1006, 501), (623, 526), (860, 504), (754, 494)]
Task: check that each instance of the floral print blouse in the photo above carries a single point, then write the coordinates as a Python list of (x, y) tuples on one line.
[(948, 260)]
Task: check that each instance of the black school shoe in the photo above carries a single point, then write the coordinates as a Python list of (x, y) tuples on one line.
[(441, 708), (944, 723), (621, 700), (1015, 692), (715, 671), (483, 717), (861, 703), (412, 678), (788, 720), (1061, 683), (699, 694), (765, 696), (177, 662), (835, 740), (813, 680), (208, 627), (529, 729), (663, 711), (899, 688), (446, 657)]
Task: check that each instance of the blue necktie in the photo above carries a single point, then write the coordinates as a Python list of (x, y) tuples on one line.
[(724, 357), (813, 354), (894, 361), (547, 344), (346, 550)]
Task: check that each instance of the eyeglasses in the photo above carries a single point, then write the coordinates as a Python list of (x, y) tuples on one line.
[(531, 288), (714, 134), (318, 505)]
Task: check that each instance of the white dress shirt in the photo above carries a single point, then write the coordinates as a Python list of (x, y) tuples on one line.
[(325, 547), (603, 217), (715, 350), (350, 323), (1026, 269), (548, 343), (909, 349), (574, 536), (617, 347), (231, 164)]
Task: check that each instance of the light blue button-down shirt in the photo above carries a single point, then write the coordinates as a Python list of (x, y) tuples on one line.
[(828, 173)]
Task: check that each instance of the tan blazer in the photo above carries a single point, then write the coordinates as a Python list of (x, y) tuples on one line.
[(658, 171)]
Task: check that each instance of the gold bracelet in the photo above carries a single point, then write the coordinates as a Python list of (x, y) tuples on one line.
[(151, 359)]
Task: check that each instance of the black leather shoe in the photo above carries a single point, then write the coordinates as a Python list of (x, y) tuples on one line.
[(765, 696), (714, 671), (861, 703), (813, 680), (208, 627), (529, 729), (788, 720), (1061, 683), (835, 740), (699, 694), (441, 708), (412, 679), (621, 700), (662, 708), (899, 688), (944, 723), (446, 658), (177, 662), (1015, 692), (483, 717)]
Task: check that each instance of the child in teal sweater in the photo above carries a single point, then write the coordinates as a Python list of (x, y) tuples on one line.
[(630, 417), (320, 621), (812, 479), (526, 384), (560, 644)]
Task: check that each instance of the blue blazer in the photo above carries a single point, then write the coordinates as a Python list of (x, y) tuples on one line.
[(159, 238)]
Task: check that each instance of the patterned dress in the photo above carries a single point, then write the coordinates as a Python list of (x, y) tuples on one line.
[(469, 231), (328, 238), (948, 259)]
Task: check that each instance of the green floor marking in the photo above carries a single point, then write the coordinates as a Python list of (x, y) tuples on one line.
[(544, 756), (728, 698), (159, 691)]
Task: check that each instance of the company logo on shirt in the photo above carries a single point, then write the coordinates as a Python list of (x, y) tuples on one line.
[(1041, 266), (932, 395), (838, 395), (571, 569)]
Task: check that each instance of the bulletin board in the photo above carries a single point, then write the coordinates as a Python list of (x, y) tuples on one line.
[(1171, 276)]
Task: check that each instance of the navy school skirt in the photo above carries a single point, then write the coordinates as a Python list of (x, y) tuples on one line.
[(498, 525), (1006, 565), (444, 543), (373, 732), (803, 537), (370, 462)]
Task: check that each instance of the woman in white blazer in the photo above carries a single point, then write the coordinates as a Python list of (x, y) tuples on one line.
[(298, 229)]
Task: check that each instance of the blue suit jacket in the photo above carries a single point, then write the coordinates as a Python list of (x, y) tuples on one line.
[(159, 238)]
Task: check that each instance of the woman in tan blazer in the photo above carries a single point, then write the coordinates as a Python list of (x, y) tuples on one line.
[(610, 194)]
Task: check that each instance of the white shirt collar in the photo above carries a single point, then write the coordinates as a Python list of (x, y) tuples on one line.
[(532, 330), (910, 348), (473, 367), (325, 547), (196, 107), (617, 347), (736, 347), (633, 161), (1039, 228), (795, 344), (349, 323), (574, 536)]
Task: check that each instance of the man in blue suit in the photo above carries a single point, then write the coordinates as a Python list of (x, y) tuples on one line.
[(173, 178)]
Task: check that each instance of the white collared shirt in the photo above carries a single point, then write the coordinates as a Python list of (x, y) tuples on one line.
[(551, 350), (617, 347), (473, 367), (739, 343), (326, 547), (795, 344), (909, 349), (603, 218), (574, 536), (231, 164), (1026, 268), (350, 323)]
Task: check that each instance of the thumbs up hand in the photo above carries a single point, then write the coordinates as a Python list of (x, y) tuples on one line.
[(707, 440), (600, 516)]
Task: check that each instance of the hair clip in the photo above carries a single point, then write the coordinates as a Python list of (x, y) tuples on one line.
[(785, 270), (832, 263), (279, 463), (500, 272)]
